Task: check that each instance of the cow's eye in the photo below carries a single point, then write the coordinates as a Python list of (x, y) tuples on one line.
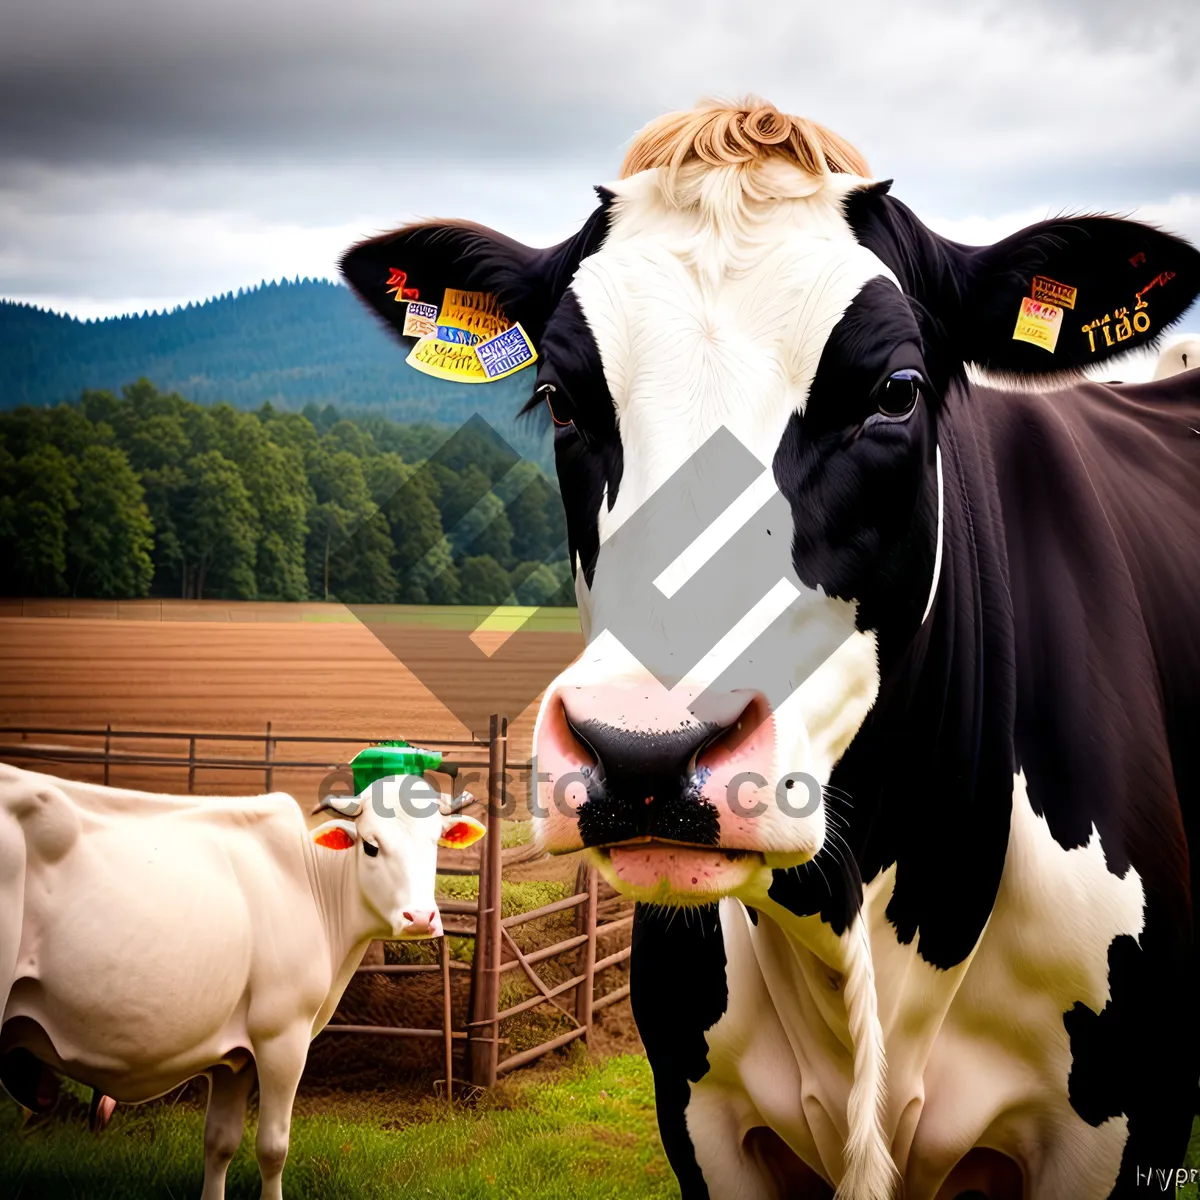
[(897, 396), (369, 849)]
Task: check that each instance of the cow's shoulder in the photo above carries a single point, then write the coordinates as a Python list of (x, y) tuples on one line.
[(44, 814), (53, 813)]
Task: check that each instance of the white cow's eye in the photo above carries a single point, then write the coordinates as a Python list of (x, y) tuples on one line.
[(368, 849), (897, 396)]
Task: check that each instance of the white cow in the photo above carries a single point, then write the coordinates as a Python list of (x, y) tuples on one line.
[(1182, 354), (147, 939)]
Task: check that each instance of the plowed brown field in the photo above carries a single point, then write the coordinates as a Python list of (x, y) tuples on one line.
[(232, 668)]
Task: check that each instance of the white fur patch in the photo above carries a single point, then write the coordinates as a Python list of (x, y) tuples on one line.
[(716, 317), (704, 322), (976, 1056)]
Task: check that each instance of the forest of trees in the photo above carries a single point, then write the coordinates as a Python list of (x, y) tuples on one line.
[(146, 493), (291, 344)]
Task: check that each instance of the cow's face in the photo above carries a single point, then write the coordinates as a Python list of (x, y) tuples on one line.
[(394, 829), (745, 365), (797, 341)]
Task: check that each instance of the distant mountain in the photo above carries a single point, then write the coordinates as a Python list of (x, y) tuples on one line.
[(292, 343)]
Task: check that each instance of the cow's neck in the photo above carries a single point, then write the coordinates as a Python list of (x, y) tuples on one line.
[(930, 773), (348, 921)]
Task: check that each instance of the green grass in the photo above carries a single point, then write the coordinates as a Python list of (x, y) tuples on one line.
[(515, 897), (516, 833), (1191, 1191), (588, 1133)]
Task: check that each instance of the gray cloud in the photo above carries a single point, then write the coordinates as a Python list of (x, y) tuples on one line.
[(146, 149)]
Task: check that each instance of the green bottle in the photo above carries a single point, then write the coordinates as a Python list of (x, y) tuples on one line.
[(391, 758)]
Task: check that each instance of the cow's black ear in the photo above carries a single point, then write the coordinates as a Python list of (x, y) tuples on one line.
[(1064, 294), (419, 262)]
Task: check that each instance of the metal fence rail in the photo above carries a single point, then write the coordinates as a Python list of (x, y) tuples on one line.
[(496, 952), (107, 755)]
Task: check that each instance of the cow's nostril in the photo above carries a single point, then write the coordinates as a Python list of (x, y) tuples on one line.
[(420, 921), (641, 753)]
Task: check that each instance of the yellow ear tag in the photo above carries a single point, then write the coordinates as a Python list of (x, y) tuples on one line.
[(476, 312), (446, 360), (1038, 324), (464, 320), (464, 831), (1050, 291)]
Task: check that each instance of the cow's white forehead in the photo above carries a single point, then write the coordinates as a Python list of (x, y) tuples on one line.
[(703, 322)]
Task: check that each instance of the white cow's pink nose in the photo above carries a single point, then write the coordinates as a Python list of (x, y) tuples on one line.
[(422, 922)]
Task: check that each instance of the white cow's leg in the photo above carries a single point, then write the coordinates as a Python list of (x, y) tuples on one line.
[(227, 1095), (280, 1065), (12, 898)]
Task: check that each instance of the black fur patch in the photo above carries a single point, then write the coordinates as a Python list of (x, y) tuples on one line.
[(678, 992)]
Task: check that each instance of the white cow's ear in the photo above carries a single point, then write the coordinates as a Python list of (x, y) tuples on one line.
[(335, 835), (459, 831)]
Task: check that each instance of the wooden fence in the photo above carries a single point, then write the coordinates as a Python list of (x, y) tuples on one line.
[(496, 950)]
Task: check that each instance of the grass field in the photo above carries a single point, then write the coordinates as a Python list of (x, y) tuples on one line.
[(588, 1133)]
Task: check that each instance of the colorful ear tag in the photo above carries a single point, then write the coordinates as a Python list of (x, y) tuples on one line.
[(420, 320), (461, 832), (1038, 324), (475, 312), (471, 340), (335, 839), (456, 336), (446, 360), (395, 285), (505, 353), (1050, 291)]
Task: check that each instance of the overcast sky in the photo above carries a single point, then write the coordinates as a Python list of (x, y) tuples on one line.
[(153, 153)]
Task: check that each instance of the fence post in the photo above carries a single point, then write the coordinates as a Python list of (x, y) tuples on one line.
[(191, 765), (497, 762), (477, 1007), (585, 992), (268, 755), (107, 750), (579, 924), (483, 1009), (447, 1017)]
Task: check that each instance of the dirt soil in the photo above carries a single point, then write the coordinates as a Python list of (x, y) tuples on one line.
[(307, 678)]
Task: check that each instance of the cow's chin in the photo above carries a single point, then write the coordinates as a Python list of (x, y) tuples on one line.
[(681, 876)]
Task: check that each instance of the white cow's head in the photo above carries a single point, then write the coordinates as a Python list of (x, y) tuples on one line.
[(393, 830), (746, 281), (1182, 354)]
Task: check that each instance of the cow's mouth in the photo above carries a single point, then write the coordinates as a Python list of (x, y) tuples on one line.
[(655, 871)]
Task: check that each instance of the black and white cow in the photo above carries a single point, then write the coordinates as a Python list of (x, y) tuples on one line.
[(969, 969)]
